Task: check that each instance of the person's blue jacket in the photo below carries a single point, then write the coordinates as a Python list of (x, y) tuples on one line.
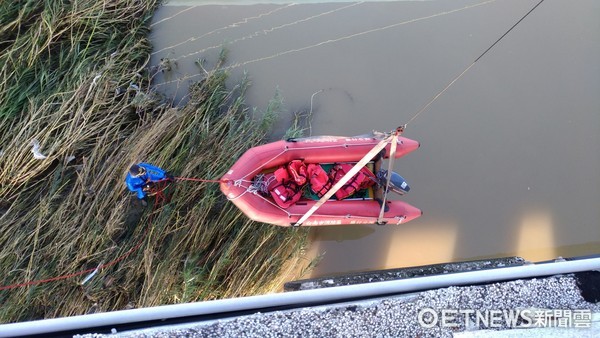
[(152, 174)]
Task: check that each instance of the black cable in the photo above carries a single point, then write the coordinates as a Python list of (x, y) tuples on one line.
[(469, 67), (508, 31)]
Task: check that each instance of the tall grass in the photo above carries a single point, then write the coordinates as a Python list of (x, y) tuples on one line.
[(75, 80)]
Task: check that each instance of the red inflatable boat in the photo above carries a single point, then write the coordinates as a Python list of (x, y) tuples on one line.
[(240, 188)]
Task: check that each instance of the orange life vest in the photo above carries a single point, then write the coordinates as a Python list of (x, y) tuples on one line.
[(297, 171), (286, 187), (318, 179), (362, 180)]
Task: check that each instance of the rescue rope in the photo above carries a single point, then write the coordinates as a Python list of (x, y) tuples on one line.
[(93, 271), (470, 66), (200, 180), (261, 184)]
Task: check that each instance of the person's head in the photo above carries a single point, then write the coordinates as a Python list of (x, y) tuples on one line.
[(136, 170)]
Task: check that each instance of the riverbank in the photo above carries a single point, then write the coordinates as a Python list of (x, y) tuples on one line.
[(77, 90), (401, 273)]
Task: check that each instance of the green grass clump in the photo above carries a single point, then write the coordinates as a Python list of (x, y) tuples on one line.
[(75, 80)]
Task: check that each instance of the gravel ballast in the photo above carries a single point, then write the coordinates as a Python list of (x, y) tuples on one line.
[(398, 316)]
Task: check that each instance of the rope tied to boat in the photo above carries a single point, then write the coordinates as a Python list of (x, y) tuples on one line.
[(201, 180), (260, 184)]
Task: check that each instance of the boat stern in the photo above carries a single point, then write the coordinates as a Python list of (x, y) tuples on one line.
[(412, 213), (404, 146), (401, 212)]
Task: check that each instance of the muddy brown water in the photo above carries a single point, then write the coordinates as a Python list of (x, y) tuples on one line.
[(509, 162)]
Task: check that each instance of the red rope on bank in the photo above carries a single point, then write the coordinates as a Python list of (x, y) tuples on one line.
[(102, 266), (160, 198)]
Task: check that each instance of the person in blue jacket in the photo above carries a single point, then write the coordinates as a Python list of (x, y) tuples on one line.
[(142, 176)]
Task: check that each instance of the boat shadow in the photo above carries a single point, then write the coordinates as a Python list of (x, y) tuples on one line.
[(341, 233)]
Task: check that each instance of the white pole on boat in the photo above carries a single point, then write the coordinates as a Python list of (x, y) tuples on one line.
[(345, 179), (390, 167), (298, 298)]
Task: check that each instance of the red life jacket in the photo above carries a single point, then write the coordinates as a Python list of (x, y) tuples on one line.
[(284, 189), (297, 171), (361, 180), (318, 179)]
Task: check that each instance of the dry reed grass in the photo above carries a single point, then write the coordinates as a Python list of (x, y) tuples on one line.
[(75, 79)]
